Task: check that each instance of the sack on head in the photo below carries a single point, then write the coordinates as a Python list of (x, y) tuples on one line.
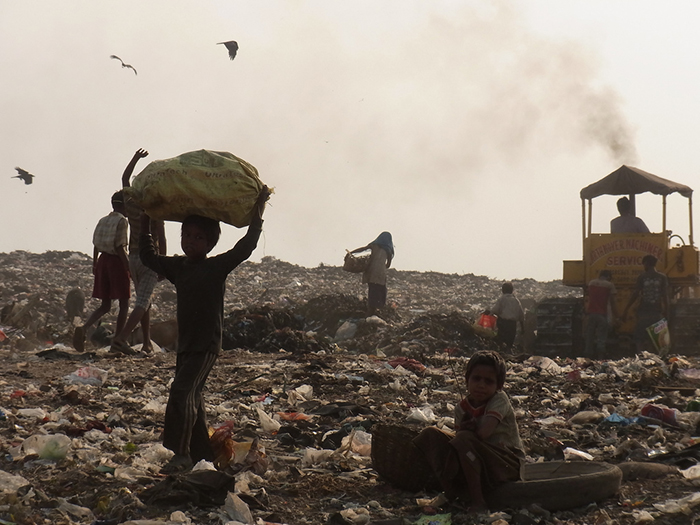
[(213, 184)]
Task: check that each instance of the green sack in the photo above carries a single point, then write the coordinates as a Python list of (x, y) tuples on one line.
[(214, 184)]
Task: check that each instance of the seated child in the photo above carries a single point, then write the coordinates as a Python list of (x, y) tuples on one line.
[(486, 450)]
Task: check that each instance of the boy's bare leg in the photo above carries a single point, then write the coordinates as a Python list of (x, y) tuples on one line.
[(138, 314), (123, 311), (476, 494), (79, 333), (146, 330)]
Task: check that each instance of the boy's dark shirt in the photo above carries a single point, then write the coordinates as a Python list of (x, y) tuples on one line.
[(200, 289), (652, 287)]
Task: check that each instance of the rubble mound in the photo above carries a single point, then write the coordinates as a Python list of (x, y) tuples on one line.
[(80, 434), (246, 328), (294, 341), (325, 313)]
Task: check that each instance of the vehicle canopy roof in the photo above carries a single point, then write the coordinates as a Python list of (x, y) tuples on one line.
[(627, 180)]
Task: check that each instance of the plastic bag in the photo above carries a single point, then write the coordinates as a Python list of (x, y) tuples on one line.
[(214, 184), (354, 264), (47, 446), (660, 336), (88, 375)]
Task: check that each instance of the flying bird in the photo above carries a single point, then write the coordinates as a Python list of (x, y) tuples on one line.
[(123, 64), (232, 47), (24, 175)]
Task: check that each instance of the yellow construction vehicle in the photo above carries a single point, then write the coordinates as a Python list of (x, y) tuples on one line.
[(560, 321)]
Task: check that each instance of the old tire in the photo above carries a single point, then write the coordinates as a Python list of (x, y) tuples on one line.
[(558, 485)]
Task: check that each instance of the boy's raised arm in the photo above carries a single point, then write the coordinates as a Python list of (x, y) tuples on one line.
[(126, 176)]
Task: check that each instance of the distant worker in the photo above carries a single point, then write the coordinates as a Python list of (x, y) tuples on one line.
[(382, 252), (509, 312), (144, 278), (601, 296), (626, 222), (652, 291), (110, 266)]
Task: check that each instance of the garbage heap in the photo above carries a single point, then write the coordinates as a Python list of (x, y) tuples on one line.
[(294, 398)]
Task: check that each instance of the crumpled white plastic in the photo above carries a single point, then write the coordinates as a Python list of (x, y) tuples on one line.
[(267, 423), (422, 415), (674, 506)]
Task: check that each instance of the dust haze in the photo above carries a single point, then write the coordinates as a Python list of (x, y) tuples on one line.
[(452, 126)]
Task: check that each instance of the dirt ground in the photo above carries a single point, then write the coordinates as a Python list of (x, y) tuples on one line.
[(281, 357)]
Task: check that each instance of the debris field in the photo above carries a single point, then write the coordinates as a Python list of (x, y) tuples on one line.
[(303, 379)]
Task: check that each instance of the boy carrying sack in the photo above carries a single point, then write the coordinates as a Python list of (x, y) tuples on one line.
[(200, 284)]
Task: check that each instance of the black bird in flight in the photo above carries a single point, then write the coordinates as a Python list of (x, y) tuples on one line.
[(232, 47), (123, 64), (24, 175)]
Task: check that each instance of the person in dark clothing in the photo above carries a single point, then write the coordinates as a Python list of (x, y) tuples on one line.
[(510, 313), (200, 284), (652, 291)]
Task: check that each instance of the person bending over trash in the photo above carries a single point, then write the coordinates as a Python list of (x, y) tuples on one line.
[(381, 254), (200, 285), (486, 449)]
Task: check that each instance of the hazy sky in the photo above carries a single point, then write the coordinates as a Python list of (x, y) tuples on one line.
[(465, 128)]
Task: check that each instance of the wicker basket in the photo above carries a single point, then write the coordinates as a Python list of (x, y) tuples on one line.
[(354, 264), (398, 460)]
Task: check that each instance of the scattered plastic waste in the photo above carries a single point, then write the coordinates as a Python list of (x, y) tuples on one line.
[(693, 406), (675, 506), (617, 419), (88, 375), (660, 412), (346, 331), (413, 356), (574, 454), (689, 373), (10, 483), (586, 417), (435, 519), (313, 457), (692, 473), (267, 423), (36, 413), (359, 442), (53, 447), (237, 509), (421, 415)]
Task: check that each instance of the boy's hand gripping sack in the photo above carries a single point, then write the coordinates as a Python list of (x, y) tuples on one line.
[(214, 184)]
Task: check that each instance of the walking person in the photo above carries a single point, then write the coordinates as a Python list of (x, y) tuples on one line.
[(652, 292), (144, 278), (200, 282), (601, 297), (509, 313), (110, 266)]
